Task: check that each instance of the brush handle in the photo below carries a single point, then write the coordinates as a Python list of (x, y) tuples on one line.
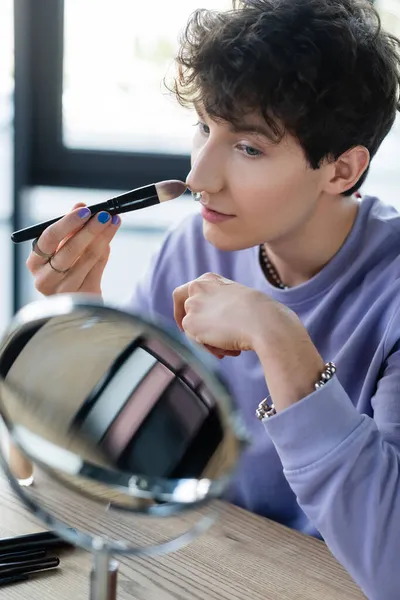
[(29, 567), (130, 201)]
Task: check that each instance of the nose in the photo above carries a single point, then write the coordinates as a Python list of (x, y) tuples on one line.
[(207, 172)]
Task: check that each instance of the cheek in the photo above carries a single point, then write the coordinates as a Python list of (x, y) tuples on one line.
[(271, 190)]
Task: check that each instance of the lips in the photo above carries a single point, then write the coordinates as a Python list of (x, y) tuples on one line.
[(217, 212), (213, 216)]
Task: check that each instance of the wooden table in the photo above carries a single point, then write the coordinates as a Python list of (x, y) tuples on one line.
[(242, 557)]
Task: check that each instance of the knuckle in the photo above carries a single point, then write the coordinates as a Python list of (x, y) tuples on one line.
[(92, 253), (103, 246), (177, 292), (68, 252), (29, 264), (38, 285), (194, 287), (42, 286), (102, 260), (96, 249), (50, 237), (189, 327)]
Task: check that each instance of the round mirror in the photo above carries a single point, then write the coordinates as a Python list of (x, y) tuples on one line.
[(122, 412)]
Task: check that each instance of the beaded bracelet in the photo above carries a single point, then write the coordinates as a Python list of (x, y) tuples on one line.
[(265, 410)]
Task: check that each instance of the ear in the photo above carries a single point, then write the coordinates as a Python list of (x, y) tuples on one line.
[(344, 173)]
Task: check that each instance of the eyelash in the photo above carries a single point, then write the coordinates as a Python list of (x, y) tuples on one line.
[(241, 147)]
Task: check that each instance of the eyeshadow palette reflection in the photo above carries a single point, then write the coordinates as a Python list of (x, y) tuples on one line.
[(148, 400)]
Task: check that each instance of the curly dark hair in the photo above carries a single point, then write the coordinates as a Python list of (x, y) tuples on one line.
[(322, 70)]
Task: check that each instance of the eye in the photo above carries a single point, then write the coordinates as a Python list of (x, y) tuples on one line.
[(249, 150), (204, 129)]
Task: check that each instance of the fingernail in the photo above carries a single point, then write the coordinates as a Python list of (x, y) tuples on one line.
[(103, 217), (115, 220), (84, 212)]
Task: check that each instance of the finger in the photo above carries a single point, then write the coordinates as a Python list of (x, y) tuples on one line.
[(94, 277), (231, 352), (180, 295), (214, 351), (100, 225), (51, 238), (90, 264), (209, 277), (214, 277), (49, 282), (221, 351), (77, 205)]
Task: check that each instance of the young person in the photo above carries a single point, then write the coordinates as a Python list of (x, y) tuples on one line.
[(286, 268)]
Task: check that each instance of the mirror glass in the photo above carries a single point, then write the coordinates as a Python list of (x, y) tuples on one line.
[(120, 411)]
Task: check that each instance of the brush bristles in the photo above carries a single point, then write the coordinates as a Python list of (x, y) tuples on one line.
[(168, 190)]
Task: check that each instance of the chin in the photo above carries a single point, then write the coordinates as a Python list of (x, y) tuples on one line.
[(224, 241)]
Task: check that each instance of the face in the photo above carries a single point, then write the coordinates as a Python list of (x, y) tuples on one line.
[(253, 190)]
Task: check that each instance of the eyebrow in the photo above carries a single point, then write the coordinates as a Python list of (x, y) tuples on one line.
[(252, 130), (249, 128)]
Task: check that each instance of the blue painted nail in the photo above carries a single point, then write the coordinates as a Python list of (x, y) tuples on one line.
[(115, 220), (103, 217), (84, 212)]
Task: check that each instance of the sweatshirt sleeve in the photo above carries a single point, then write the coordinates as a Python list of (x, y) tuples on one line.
[(344, 468)]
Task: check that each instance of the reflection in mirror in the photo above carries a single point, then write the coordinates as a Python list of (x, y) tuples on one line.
[(115, 408)]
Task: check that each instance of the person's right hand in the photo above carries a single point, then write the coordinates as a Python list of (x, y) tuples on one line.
[(80, 246)]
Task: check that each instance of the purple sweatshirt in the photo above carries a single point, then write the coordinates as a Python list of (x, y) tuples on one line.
[(329, 465)]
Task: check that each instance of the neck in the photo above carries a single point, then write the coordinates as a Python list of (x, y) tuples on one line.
[(302, 253)]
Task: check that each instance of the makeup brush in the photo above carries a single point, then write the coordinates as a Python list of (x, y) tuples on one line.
[(32, 566), (13, 557), (33, 541), (142, 197)]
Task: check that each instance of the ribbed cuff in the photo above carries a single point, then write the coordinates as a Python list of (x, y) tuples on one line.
[(313, 427)]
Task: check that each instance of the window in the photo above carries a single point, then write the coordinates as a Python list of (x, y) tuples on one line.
[(100, 114), (389, 11), (113, 92)]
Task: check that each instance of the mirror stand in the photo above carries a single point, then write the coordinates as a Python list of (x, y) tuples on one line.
[(103, 577)]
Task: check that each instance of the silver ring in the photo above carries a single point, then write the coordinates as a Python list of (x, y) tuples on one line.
[(39, 252), (196, 196), (61, 271)]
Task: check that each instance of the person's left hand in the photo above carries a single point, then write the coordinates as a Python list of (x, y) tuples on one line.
[(220, 314)]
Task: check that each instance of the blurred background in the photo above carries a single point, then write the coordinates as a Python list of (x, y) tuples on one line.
[(91, 118)]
